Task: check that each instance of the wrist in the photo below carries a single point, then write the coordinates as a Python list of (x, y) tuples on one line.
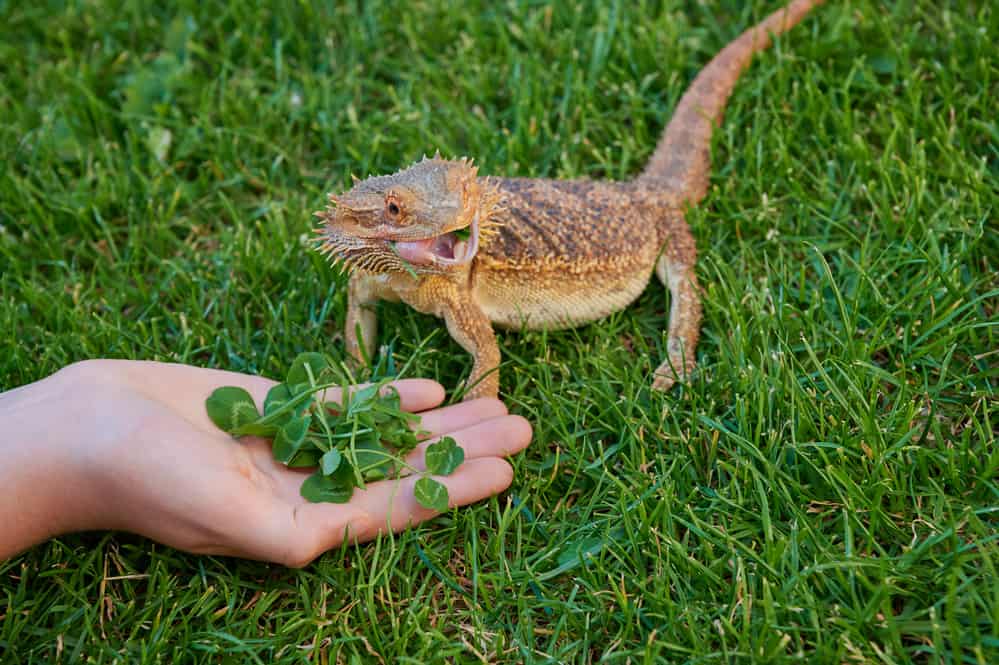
[(47, 492)]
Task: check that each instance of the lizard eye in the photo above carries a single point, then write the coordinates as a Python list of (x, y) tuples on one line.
[(393, 211)]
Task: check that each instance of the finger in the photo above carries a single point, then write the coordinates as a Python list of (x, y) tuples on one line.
[(184, 388), (178, 383), (414, 394), (391, 505), (301, 532), (187, 382), (458, 416), (497, 437), (417, 395)]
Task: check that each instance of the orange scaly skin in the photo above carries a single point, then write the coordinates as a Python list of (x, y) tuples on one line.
[(541, 253)]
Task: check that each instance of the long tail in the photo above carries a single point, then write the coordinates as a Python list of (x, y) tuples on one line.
[(680, 164)]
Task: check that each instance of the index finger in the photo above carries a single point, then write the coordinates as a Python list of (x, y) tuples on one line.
[(184, 388)]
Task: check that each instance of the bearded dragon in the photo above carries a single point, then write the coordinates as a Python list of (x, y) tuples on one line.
[(539, 253)]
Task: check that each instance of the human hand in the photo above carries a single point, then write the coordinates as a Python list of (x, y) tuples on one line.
[(127, 445)]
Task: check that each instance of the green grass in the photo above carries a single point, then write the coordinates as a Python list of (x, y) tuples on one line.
[(825, 491)]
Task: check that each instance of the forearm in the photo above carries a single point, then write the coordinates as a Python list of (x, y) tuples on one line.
[(43, 490)]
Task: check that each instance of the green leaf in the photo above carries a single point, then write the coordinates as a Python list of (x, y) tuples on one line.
[(306, 363), (277, 397), (330, 462), (374, 460), (431, 494), (230, 407), (443, 457), (405, 441), (344, 474), (390, 399), (289, 438), (256, 429), (331, 414), (380, 415), (360, 400), (304, 458), (319, 488)]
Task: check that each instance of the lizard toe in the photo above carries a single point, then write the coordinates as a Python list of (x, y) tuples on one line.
[(672, 370)]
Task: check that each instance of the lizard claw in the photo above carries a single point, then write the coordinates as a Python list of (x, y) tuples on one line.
[(663, 381), (672, 370)]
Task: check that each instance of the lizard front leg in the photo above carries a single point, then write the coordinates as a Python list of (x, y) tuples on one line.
[(470, 327), (361, 330), (676, 270)]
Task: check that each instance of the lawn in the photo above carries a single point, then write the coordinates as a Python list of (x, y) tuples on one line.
[(824, 491)]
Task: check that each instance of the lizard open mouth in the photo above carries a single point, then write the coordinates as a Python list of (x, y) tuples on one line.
[(447, 249)]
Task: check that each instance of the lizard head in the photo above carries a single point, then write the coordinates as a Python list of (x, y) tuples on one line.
[(428, 218)]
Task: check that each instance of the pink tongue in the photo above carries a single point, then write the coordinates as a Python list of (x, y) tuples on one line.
[(415, 251), (423, 251)]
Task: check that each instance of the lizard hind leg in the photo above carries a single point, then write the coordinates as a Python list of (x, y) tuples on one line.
[(675, 268)]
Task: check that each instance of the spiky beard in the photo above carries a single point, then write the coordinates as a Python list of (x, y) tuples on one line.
[(359, 254)]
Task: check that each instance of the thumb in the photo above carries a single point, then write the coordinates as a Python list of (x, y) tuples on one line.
[(313, 528)]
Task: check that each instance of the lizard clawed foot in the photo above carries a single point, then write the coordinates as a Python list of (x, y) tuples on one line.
[(674, 369), (355, 364)]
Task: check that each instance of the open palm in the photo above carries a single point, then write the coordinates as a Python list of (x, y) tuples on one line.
[(151, 462)]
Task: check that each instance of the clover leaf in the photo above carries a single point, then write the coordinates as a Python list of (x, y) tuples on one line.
[(431, 494), (330, 461), (443, 457), (307, 368), (318, 488), (277, 397), (362, 438), (290, 437), (230, 407)]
